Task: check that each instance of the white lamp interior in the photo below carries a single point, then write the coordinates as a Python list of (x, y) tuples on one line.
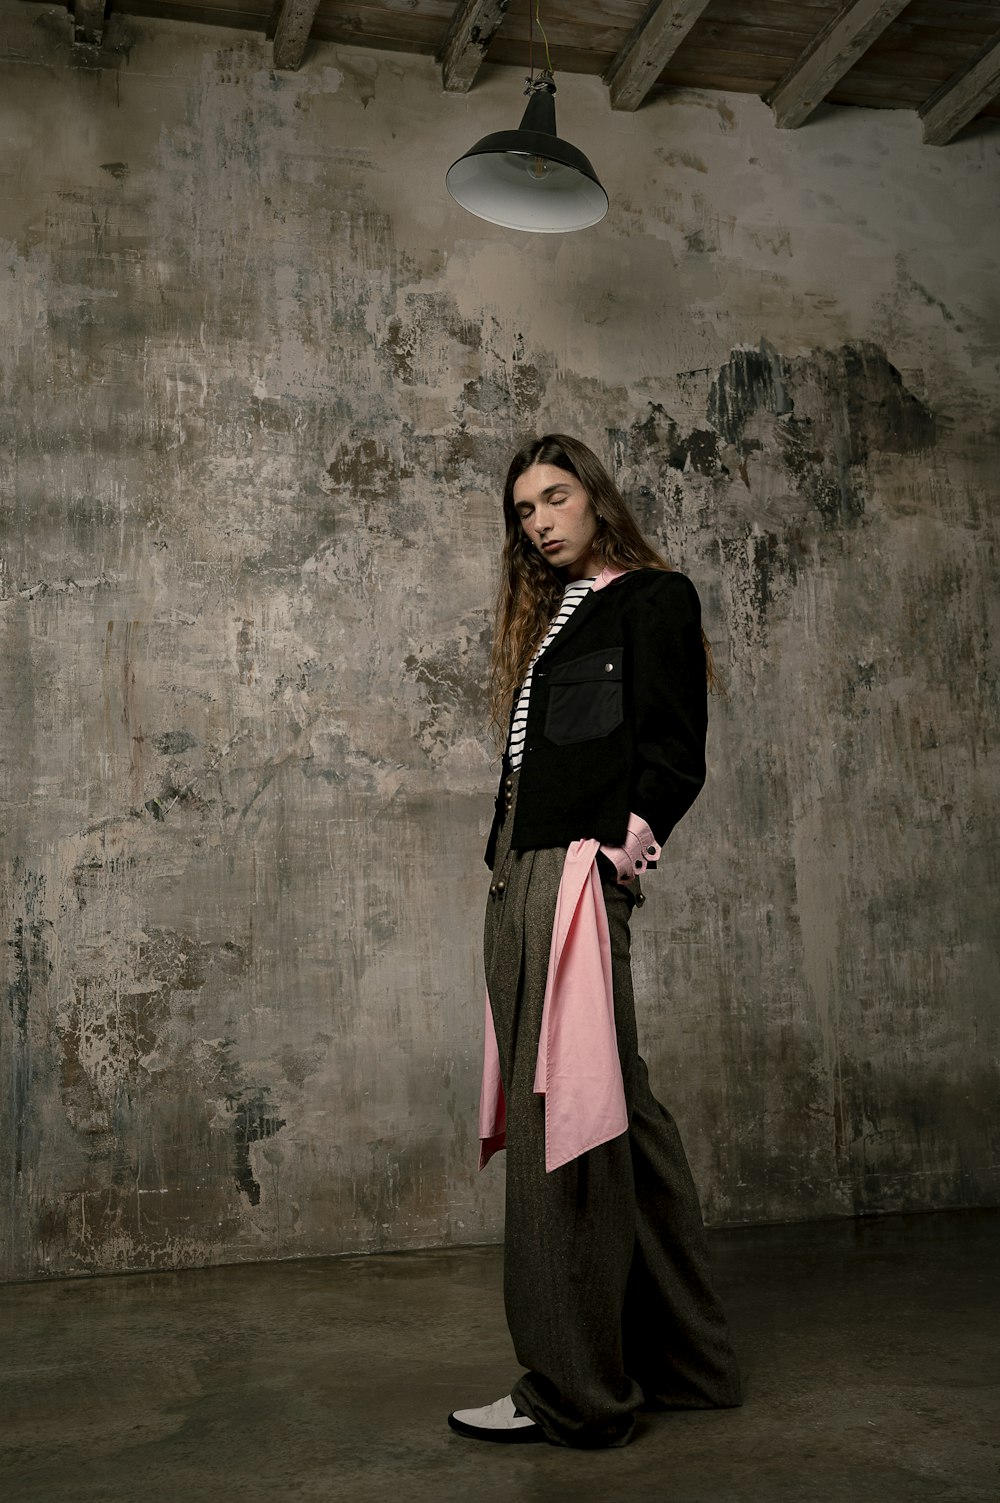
[(508, 188)]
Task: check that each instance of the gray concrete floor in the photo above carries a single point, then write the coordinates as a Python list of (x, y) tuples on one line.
[(870, 1350)]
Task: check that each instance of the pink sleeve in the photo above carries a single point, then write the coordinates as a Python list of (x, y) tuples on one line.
[(639, 851)]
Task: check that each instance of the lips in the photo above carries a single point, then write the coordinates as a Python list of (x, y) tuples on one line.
[(551, 547)]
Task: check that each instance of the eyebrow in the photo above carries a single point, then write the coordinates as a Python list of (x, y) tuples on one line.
[(560, 485)]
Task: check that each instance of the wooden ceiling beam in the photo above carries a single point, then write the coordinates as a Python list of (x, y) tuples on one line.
[(831, 54), (964, 94), (473, 27), (295, 22), (648, 50), (88, 21)]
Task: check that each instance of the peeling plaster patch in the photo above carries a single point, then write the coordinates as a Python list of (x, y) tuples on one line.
[(681, 159), (486, 396), (254, 1121), (193, 795), (788, 451), (834, 408), (452, 679), (174, 743), (27, 947), (528, 386), (426, 338), (365, 469), (691, 97), (246, 651), (30, 967), (699, 244), (751, 381), (45, 587), (658, 440), (107, 1032), (114, 1031), (298, 1065), (361, 74), (400, 348)]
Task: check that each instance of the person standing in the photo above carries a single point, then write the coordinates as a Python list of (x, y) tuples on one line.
[(600, 672)]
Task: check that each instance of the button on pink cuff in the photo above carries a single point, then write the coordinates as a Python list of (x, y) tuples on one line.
[(639, 851)]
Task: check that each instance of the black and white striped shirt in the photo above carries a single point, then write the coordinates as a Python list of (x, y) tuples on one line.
[(572, 596)]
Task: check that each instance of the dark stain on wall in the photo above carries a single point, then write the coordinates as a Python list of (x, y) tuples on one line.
[(29, 970), (366, 470), (255, 1119), (27, 946), (824, 415), (174, 743), (752, 381)]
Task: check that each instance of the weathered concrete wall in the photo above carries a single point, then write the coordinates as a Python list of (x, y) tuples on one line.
[(260, 380)]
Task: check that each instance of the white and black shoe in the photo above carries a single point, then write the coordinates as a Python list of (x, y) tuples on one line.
[(499, 1421)]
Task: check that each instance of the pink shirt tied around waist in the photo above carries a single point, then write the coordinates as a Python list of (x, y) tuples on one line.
[(578, 1070)]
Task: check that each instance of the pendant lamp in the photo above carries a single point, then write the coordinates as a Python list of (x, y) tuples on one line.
[(528, 179)]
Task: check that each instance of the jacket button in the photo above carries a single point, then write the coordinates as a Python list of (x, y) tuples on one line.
[(651, 850), (501, 886), (609, 667), (493, 890)]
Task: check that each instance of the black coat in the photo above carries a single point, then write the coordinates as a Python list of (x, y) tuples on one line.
[(616, 718)]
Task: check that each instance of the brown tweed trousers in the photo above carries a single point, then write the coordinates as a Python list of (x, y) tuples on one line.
[(607, 1288)]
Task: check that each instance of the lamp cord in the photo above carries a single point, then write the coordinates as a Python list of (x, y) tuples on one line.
[(535, 19), (538, 20)]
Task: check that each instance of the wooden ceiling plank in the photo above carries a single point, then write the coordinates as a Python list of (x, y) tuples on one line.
[(473, 27), (88, 21), (291, 34), (975, 17), (830, 55), (956, 102), (650, 47)]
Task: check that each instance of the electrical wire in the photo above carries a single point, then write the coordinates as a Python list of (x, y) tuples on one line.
[(538, 22), (534, 19)]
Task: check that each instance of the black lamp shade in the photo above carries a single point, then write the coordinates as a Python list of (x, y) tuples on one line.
[(528, 179)]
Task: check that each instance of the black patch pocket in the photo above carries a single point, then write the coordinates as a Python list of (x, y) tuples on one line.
[(585, 697)]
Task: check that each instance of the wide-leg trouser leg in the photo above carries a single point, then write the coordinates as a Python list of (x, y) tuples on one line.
[(606, 1279), (569, 1234), (675, 1337)]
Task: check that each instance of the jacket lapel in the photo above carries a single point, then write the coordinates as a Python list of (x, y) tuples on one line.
[(584, 610)]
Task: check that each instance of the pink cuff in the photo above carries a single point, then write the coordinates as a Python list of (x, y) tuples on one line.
[(637, 854)]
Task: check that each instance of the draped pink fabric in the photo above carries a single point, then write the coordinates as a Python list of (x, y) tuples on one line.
[(578, 1070)]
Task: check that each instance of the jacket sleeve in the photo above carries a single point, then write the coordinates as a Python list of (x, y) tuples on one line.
[(669, 700)]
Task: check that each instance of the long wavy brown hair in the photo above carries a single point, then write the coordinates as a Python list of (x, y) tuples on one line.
[(530, 589)]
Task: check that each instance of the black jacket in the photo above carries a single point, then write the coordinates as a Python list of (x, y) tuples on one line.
[(616, 719)]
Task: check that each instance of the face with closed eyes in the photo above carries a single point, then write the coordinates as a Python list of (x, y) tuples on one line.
[(558, 519)]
